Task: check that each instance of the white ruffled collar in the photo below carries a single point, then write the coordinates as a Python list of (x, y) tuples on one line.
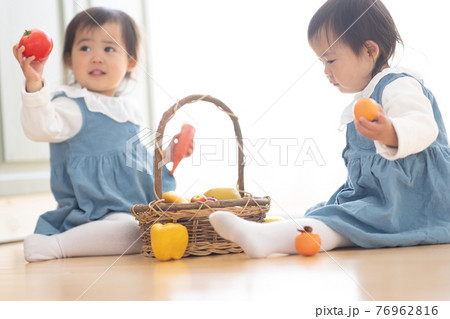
[(347, 114), (120, 108)]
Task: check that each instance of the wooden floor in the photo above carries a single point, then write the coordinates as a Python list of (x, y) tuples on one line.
[(415, 273)]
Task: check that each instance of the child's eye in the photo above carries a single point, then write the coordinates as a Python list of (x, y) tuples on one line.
[(85, 48), (331, 61), (109, 49)]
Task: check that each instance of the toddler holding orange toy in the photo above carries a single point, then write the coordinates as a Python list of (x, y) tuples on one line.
[(396, 193)]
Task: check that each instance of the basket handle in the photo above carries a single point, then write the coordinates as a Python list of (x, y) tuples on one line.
[(167, 116)]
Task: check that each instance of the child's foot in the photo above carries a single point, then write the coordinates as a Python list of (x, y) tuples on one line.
[(263, 239), (253, 237), (40, 247)]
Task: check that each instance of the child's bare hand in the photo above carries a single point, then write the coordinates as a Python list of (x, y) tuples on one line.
[(380, 130), (32, 70)]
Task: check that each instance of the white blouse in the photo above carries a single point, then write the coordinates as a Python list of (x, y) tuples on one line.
[(409, 110), (55, 121)]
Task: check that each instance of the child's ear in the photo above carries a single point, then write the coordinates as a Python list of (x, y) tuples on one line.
[(68, 61), (372, 49), (131, 64)]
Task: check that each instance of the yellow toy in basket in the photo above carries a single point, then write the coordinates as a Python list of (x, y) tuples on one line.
[(223, 193), (173, 197), (169, 241)]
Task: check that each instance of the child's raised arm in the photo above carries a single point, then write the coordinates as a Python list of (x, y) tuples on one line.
[(32, 70)]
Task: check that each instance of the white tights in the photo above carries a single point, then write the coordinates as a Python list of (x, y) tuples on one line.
[(116, 234), (260, 240), (119, 234)]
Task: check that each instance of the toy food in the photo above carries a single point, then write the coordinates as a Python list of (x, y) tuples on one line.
[(307, 243), (168, 241), (185, 139), (223, 193), (198, 198), (37, 43), (173, 197), (273, 219), (367, 108)]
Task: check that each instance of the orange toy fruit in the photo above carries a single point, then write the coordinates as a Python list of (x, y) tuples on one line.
[(367, 108), (307, 243)]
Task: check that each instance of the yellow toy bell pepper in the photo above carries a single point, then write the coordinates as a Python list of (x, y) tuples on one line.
[(169, 241)]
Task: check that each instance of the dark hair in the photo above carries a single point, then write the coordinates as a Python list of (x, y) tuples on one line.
[(355, 22), (94, 18)]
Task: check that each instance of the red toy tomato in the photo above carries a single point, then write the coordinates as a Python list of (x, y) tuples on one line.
[(307, 243), (37, 43), (198, 198)]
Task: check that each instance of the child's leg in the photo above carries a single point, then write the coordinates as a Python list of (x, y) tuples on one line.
[(116, 234), (261, 240)]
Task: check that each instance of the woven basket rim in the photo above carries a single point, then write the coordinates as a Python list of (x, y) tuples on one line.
[(169, 114)]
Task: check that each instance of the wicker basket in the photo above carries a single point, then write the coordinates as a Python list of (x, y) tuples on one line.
[(203, 239)]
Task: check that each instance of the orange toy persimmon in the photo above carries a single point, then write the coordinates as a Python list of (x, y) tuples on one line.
[(367, 108), (307, 243)]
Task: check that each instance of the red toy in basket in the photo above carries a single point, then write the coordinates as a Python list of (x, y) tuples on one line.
[(185, 139)]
